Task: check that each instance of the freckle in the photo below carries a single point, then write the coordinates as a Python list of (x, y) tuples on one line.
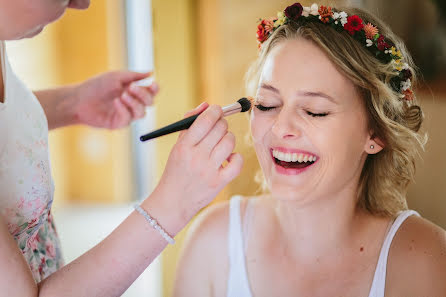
[(361, 249)]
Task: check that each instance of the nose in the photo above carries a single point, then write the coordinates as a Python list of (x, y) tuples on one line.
[(79, 4), (286, 125)]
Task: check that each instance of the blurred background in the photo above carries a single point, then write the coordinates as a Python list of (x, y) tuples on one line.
[(200, 51)]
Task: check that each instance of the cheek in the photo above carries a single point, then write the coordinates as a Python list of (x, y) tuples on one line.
[(260, 125), (341, 143)]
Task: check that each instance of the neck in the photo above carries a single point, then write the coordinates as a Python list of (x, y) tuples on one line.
[(322, 227)]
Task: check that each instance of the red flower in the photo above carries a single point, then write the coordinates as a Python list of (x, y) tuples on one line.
[(325, 13), (261, 33), (382, 44), (293, 12), (263, 30), (408, 95), (354, 24)]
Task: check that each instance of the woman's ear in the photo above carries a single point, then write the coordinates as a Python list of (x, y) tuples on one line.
[(374, 145)]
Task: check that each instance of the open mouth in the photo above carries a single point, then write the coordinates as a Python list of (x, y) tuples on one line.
[(293, 160)]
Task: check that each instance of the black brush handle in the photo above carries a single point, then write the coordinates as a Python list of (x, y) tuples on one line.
[(174, 127)]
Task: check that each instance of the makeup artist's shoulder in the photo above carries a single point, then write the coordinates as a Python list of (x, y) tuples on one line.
[(417, 260)]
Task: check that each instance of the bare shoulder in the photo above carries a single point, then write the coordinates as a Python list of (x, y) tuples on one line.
[(205, 253), (212, 224), (417, 260)]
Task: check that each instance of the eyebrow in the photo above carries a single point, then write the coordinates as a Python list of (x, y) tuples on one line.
[(317, 94), (269, 87), (301, 93)]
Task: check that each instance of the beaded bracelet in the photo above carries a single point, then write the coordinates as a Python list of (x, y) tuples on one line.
[(154, 224)]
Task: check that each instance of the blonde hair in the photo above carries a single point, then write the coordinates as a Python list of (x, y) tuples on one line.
[(385, 176)]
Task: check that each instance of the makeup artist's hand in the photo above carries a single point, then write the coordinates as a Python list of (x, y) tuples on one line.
[(112, 100), (194, 173)]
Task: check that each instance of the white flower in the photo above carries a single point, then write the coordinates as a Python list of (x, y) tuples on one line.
[(314, 9), (343, 16), (405, 66), (306, 11), (406, 84), (368, 42)]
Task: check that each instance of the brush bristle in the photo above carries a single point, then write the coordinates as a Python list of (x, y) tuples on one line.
[(246, 103)]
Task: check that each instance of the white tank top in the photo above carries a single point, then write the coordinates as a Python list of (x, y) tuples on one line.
[(26, 184), (238, 282)]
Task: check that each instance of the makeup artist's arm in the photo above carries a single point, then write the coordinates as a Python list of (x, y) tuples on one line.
[(110, 100), (192, 178)]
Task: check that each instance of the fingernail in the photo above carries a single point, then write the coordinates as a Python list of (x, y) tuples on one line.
[(154, 87), (133, 87), (126, 96)]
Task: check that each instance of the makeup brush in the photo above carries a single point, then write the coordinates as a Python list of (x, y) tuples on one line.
[(242, 105)]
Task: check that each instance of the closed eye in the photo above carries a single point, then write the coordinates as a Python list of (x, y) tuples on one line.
[(314, 115), (264, 108)]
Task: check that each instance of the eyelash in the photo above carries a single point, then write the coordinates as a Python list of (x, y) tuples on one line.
[(314, 115), (263, 108)]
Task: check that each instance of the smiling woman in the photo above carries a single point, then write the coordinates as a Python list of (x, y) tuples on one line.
[(335, 130)]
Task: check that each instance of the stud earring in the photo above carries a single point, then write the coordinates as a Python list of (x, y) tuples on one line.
[(372, 146)]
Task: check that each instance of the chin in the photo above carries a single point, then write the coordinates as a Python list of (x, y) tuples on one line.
[(34, 32)]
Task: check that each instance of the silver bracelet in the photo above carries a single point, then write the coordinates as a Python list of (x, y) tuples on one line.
[(155, 224)]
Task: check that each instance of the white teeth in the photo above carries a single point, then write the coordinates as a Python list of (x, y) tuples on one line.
[(281, 156), (293, 157)]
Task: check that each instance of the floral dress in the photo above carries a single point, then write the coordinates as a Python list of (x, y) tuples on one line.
[(26, 185)]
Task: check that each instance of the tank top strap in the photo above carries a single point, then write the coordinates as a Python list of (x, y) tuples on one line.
[(238, 284), (379, 279)]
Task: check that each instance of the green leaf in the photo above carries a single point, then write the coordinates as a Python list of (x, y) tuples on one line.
[(50, 263)]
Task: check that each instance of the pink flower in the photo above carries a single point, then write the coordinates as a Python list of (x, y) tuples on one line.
[(32, 244), (32, 224), (370, 31), (50, 250), (13, 229)]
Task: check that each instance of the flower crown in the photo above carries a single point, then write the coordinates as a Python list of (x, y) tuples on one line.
[(367, 34)]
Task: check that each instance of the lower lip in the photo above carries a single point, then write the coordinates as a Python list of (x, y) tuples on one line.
[(291, 171)]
